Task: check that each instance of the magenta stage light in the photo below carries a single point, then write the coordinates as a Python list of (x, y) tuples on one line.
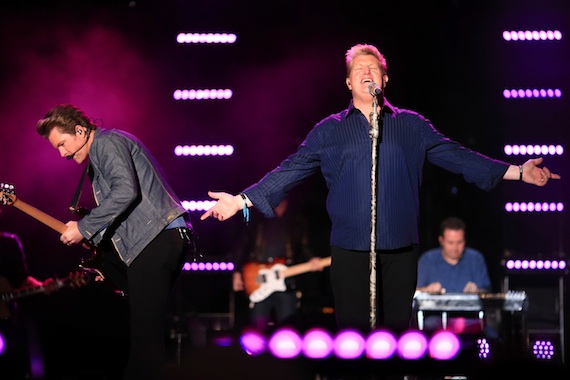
[(2, 344), (203, 94), (317, 344), (484, 348), (534, 207), (253, 343), (543, 349), (206, 38), (444, 345), (532, 150), (349, 344), (535, 265), (532, 93), (198, 205), (412, 345), (532, 35), (203, 150), (381, 344), (285, 343)]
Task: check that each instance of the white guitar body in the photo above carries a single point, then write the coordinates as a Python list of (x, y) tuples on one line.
[(270, 280)]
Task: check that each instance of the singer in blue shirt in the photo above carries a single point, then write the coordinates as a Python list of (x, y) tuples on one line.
[(340, 147)]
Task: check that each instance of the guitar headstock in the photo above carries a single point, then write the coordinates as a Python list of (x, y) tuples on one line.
[(7, 193)]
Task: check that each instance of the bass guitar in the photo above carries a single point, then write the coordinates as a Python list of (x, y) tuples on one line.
[(261, 280), (8, 197)]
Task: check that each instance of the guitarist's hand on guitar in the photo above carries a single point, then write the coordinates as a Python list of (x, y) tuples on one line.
[(50, 285), (316, 264), (71, 235)]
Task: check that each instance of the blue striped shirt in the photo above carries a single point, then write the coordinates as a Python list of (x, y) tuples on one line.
[(340, 146)]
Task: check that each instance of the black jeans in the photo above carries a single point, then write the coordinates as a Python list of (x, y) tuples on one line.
[(396, 276), (151, 277)]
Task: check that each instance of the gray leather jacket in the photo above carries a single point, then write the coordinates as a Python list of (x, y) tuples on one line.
[(134, 200)]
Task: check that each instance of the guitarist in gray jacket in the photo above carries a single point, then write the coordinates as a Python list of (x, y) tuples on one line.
[(139, 225)]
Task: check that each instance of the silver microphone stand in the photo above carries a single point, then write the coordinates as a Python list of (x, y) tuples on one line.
[(375, 135)]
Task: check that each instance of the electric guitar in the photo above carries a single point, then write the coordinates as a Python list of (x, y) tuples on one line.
[(8, 197), (261, 280), (7, 294)]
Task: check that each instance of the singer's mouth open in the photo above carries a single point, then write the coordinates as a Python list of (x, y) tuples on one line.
[(368, 80)]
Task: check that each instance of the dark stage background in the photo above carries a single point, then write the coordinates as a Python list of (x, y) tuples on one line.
[(119, 61)]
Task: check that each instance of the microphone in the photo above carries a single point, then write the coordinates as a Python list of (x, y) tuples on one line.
[(70, 157), (374, 89)]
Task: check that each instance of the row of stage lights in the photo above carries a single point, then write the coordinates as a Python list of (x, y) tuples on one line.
[(228, 150), (535, 265), (317, 343), (532, 35), (231, 38), (511, 264), (534, 207), (205, 205), (225, 94), (532, 93), (204, 150), (530, 150)]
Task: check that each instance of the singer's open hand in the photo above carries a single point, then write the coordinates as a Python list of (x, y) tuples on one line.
[(535, 175), (226, 206)]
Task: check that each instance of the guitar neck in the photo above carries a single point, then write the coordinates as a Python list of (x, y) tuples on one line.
[(295, 270), (17, 294), (40, 216)]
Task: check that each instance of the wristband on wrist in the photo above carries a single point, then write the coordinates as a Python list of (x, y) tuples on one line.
[(245, 209), (520, 172)]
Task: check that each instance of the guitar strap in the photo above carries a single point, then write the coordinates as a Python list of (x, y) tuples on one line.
[(73, 208)]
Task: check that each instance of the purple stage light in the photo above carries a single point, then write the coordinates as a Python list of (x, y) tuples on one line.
[(543, 349), (253, 343), (285, 344), (484, 348), (2, 344), (317, 344), (381, 344), (522, 264), (444, 345), (412, 345), (206, 38), (349, 344)]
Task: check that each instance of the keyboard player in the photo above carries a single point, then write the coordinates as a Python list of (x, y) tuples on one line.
[(453, 268)]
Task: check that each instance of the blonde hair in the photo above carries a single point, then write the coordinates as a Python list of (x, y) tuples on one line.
[(364, 49)]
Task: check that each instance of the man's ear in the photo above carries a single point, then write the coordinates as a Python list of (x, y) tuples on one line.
[(384, 80), (348, 84)]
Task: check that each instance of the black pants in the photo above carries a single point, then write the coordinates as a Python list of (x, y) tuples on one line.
[(151, 277), (280, 305), (396, 275)]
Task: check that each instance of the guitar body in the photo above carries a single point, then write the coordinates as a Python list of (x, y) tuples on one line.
[(251, 271), (261, 280)]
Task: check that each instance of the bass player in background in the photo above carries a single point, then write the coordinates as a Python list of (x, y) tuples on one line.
[(280, 240), (18, 343)]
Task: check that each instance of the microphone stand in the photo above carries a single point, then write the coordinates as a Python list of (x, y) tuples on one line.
[(375, 133)]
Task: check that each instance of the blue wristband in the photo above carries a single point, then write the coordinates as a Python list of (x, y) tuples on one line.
[(245, 209)]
